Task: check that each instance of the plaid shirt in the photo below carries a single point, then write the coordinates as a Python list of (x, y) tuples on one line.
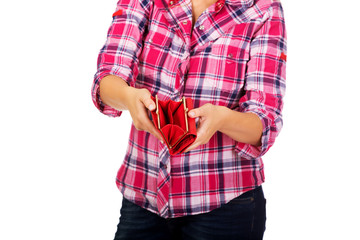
[(235, 56)]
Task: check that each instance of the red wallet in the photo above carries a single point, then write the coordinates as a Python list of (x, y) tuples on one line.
[(171, 119)]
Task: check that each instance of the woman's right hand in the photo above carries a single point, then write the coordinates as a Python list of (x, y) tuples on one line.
[(138, 102), (116, 93)]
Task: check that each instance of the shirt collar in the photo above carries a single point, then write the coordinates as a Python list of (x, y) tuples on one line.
[(245, 3)]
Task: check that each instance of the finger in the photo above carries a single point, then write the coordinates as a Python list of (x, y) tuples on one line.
[(198, 141), (152, 130), (198, 112), (194, 113), (203, 136), (193, 146), (147, 101), (148, 125)]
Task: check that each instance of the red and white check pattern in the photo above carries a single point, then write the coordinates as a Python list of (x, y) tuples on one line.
[(235, 57)]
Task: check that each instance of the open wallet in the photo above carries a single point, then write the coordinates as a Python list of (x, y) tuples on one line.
[(172, 121)]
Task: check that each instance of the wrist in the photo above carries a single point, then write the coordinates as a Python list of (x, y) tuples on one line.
[(128, 95), (113, 91), (224, 114)]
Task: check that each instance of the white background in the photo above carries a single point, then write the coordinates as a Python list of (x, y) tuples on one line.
[(59, 155)]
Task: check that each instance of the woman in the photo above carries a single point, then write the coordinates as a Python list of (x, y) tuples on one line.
[(229, 57)]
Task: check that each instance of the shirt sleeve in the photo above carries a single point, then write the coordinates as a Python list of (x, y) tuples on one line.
[(119, 55), (265, 80)]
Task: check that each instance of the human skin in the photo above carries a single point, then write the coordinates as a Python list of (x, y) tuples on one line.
[(242, 127)]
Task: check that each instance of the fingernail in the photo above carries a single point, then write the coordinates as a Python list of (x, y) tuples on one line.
[(192, 114), (151, 107)]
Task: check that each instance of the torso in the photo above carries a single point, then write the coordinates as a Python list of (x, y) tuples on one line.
[(198, 6)]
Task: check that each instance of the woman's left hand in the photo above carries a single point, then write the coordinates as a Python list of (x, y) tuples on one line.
[(210, 120)]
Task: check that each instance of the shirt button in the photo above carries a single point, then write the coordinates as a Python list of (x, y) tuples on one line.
[(230, 55), (171, 2), (202, 27), (185, 22), (185, 56)]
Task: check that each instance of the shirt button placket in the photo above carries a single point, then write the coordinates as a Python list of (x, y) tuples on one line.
[(219, 5), (172, 2), (150, 41), (230, 56)]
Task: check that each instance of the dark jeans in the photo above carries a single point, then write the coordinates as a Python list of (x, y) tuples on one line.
[(243, 218)]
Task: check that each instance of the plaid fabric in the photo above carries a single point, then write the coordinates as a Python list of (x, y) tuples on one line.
[(235, 56)]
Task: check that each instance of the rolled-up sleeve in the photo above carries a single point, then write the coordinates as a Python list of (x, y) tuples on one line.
[(119, 55), (265, 80)]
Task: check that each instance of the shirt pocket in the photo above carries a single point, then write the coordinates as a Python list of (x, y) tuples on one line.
[(155, 60), (160, 59), (225, 72), (156, 45)]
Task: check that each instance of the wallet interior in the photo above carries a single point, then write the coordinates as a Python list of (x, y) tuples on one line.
[(172, 120)]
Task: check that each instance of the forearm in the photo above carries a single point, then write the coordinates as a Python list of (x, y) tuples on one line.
[(113, 92), (116, 93), (242, 127)]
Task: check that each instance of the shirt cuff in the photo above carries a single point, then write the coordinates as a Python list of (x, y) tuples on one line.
[(249, 151), (100, 105)]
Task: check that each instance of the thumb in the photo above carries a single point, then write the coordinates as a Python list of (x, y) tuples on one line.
[(149, 103), (198, 112)]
